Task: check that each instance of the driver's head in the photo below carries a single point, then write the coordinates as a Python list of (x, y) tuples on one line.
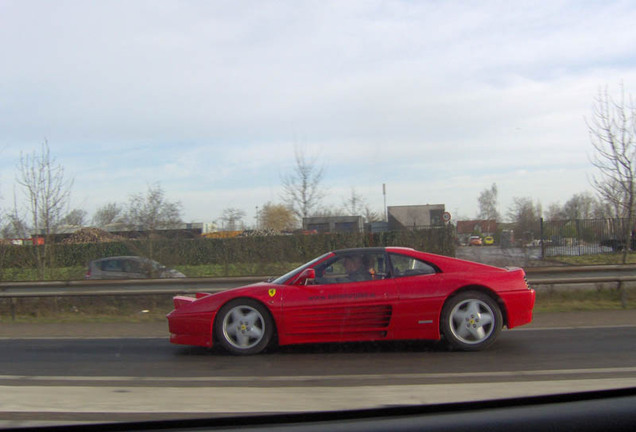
[(353, 263)]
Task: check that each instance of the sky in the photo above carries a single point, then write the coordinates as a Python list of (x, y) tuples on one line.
[(211, 99)]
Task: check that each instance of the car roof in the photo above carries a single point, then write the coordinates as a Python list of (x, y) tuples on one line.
[(376, 249), (130, 257), (358, 250)]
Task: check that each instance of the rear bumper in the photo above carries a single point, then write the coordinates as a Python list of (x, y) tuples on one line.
[(188, 339), (190, 329)]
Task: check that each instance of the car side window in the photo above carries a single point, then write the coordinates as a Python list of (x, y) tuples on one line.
[(133, 266), (408, 266), (352, 268), (112, 265)]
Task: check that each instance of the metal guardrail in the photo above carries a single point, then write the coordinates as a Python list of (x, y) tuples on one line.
[(122, 287), (581, 280), (581, 274), (535, 276), (578, 269)]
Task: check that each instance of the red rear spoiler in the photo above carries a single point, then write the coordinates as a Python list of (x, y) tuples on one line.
[(180, 301)]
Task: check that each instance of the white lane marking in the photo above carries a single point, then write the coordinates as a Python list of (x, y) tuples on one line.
[(113, 399), (301, 378)]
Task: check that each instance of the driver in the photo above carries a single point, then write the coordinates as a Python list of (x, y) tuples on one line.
[(355, 268)]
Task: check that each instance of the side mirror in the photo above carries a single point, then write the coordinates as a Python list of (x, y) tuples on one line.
[(307, 277)]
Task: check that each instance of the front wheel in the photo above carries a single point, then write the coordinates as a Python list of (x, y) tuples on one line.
[(244, 326), (471, 321)]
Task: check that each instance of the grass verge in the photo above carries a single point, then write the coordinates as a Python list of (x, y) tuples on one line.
[(599, 259), (154, 308), (584, 300)]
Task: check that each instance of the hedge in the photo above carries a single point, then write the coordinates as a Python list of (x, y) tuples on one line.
[(264, 249)]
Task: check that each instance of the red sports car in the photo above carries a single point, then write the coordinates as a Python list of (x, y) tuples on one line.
[(365, 294)]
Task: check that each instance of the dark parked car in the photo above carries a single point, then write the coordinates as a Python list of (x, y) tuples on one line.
[(618, 244), (129, 267)]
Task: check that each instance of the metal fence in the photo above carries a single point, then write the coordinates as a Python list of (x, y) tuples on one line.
[(580, 237)]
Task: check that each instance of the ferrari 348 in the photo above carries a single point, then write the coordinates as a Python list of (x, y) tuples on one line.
[(366, 294)]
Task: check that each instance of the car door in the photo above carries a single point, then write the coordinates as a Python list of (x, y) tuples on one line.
[(340, 306), (421, 294), (135, 268), (113, 269)]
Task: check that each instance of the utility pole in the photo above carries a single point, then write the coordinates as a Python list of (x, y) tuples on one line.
[(386, 211)]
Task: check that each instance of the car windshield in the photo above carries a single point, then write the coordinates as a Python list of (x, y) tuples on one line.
[(223, 209), (287, 276)]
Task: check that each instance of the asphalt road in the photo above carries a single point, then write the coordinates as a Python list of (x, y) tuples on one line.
[(92, 378)]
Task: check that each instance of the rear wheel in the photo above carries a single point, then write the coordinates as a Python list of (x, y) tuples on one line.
[(471, 321), (244, 326)]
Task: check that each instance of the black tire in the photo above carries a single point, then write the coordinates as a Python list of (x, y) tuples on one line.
[(471, 321), (243, 327)]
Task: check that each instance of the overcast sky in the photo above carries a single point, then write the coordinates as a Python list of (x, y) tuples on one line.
[(436, 99)]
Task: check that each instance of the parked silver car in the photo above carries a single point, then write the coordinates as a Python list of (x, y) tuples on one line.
[(129, 267)]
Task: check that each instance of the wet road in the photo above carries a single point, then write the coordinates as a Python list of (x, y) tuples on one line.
[(57, 379)]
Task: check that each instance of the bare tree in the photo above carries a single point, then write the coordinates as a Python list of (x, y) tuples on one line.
[(328, 211), (46, 192), (301, 188), (76, 217), (488, 204), (612, 131), (355, 204), (152, 211), (232, 219), (148, 213), (108, 214), (554, 212), (602, 210), (580, 206), (372, 215), (525, 216), (14, 227)]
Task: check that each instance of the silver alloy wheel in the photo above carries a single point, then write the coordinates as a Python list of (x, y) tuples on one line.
[(243, 327), (472, 321)]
